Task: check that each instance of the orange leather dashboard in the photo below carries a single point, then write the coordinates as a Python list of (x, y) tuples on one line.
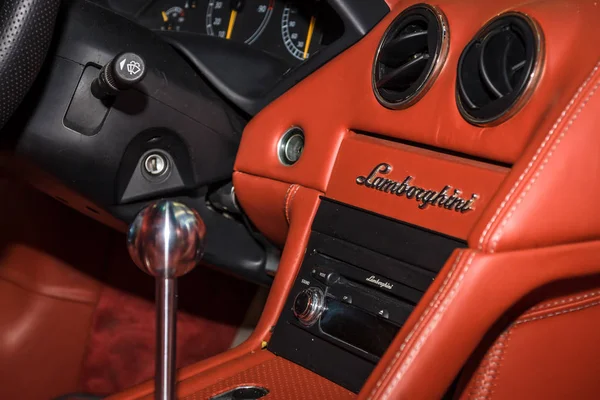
[(531, 211), (338, 99), (339, 96)]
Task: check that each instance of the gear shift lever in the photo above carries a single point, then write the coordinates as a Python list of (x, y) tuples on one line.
[(166, 240)]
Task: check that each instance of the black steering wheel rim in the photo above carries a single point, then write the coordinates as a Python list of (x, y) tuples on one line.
[(26, 28)]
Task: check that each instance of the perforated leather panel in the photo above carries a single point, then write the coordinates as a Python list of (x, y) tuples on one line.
[(27, 27), (284, 380)]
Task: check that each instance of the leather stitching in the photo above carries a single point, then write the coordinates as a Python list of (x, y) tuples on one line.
[(476, 385), (493, 367), (542, 146), (289, 196), (421, 331), (285, 203), (482, 386), (496, 371), (430, 307), (555, 313), (548, 315), (484, 390), (430, 327), (496, 237), (478, 382), (293, 195), (564, 301)]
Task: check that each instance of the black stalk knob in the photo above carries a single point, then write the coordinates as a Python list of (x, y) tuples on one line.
[(121, 73)]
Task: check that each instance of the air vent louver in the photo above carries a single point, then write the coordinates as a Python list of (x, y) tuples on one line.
[(498, 70), (410, 55)]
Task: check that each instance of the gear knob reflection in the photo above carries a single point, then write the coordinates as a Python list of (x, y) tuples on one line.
[(166, 239)]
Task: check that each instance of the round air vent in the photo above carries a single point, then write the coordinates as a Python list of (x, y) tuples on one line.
[(499, 69), (410, 56)]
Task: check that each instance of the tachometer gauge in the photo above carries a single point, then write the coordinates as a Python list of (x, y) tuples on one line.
[(173, 18), (300, 30), (239, 20)]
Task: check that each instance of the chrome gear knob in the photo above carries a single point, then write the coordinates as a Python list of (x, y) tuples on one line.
[(166, 239)]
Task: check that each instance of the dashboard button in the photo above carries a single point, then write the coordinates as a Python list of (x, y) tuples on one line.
[(321, 274), (325, 276), (308, 306)]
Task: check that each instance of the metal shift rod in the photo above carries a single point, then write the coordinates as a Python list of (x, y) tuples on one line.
[(166, 240)]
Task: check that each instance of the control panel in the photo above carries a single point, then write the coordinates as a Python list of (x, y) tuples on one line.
[(360, 280)]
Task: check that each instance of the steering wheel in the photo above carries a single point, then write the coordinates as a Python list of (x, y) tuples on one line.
[(26, 27)]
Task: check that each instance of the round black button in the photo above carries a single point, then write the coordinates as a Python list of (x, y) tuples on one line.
[(128, 69), (301, 303), (121, 73)]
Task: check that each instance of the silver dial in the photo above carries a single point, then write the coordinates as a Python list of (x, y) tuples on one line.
[(309, 304)]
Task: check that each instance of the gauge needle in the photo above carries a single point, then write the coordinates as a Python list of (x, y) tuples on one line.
[(311, 30), (164, 15), (231, 23)]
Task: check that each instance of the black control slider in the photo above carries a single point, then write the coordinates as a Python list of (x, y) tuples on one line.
[(120, 73)]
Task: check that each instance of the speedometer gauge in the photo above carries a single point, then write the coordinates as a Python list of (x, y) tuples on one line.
[(299, 29), (239, 20)]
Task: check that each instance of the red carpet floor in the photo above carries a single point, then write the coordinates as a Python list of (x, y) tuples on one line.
[(120, 350)]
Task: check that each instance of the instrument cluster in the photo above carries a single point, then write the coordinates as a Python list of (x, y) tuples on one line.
[(289, 30)]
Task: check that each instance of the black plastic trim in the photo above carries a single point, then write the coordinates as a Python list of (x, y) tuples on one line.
[(382, 234), (173, 110), (375, 265)]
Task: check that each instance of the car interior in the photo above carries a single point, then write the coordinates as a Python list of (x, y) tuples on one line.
[(299, 199)]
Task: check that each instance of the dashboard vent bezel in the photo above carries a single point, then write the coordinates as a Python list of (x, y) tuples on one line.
[(436, 20), (533, 40)]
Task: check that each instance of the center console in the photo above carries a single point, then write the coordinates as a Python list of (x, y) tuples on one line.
[(361, 277)]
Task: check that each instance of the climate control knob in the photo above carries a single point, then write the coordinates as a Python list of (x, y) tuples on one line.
[(309, 304)]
